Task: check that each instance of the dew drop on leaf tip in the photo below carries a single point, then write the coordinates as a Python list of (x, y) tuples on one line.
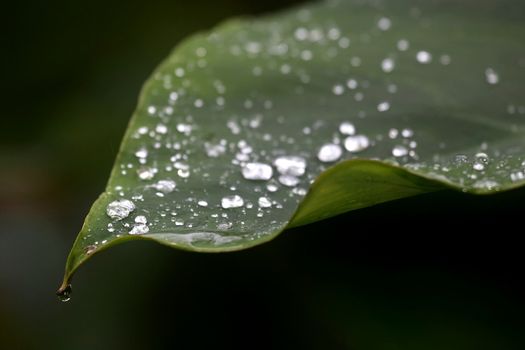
[(64, 294)]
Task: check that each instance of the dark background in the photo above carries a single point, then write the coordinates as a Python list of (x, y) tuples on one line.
[(440, 271)]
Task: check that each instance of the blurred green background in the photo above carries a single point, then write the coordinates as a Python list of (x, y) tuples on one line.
[(441, 271)]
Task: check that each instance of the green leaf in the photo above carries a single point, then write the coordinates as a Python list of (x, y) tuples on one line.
[(417, 96)]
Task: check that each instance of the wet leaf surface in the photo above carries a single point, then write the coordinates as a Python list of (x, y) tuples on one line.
[(277, 122)]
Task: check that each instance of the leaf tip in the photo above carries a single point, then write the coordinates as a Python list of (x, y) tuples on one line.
[(64, 292)]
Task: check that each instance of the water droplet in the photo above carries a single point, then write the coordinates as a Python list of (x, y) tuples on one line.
[(179, 72), (214, 150), (202, 203), (161, 129), (64, 294), (383, 106), (445, 60), (399, 151), (224, 226), (517, 176), (257, 171), (165, 186), (272, 187), (120, 209), (290, 165), (234, 201), (139, 229), (403, 45), (329, 153), (174, 96), (344, 43), (407, 133), (478, 166), (334, 33), (288, 180), (355, 61), (393, 133), (388, 65), (352, 84), (306, 55), (338, 89), (184, 128), (424, 57), (491, 76), (152, 110), (482, 157), (184, 173), (356, 143), (286, 69), (142, 153), (461, 159), (384, 24), (301, 34), (146, 173), (264, 202), (141, 219), (347, 128)]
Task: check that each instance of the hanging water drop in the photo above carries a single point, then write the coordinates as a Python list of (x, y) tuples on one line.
[(64, 293)]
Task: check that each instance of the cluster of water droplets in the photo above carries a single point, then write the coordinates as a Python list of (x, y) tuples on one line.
[(214, 150)]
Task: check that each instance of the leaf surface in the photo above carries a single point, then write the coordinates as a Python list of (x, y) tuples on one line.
[(264, 124)]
